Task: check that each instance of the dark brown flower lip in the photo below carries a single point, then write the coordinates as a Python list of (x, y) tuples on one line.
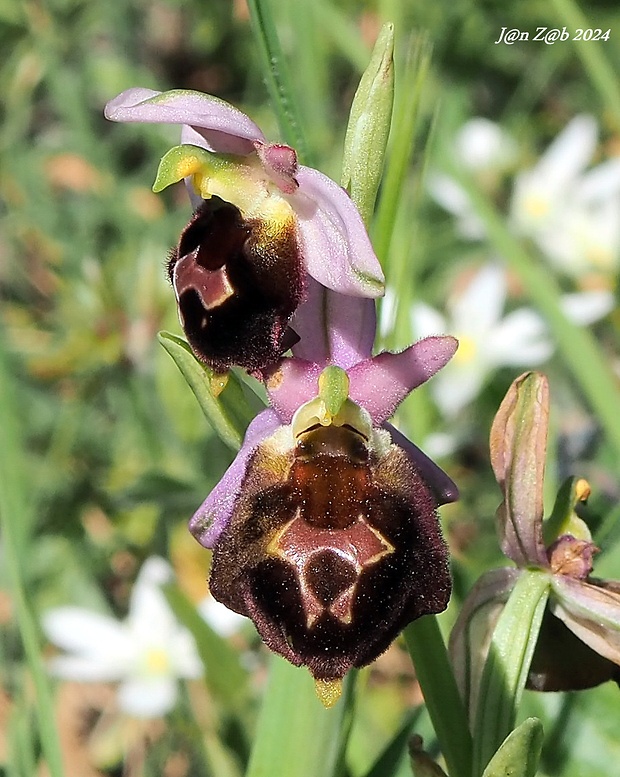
[(236, 288), (332, 554)]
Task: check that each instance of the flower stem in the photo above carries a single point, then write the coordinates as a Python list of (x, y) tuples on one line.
[(277, 77), (507, 665), (443, 701), (296, 736)]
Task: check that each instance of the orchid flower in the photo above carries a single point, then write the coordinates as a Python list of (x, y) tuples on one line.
[(488, 340), (146, 653), (579, 643), (263, 226), (324, 528)]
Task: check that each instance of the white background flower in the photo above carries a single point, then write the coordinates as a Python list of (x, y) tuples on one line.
[(147, 652), (487, 340), (486, 150), (571, 213)]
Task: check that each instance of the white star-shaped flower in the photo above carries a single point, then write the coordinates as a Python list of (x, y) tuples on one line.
[(487, 339), (147, 653)]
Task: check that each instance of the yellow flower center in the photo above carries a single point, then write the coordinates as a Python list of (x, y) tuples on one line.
[(600, 257), (467, 349), (157, 661), (536, 206)]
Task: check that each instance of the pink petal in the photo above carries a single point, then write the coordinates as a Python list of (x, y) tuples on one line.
[(224, 128), (294, 382), (518, 444), (333, 237), (380, 384), (334, 328), (591, 612), (211, 518)]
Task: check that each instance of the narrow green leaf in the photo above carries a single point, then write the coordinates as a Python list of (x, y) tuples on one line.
[(225, 676), (392, 754), (277, 77), (593, 56), (15, 509), (296, 736), (229, 411), (519, 753), (507, 665), (369, 126), (441, 695)]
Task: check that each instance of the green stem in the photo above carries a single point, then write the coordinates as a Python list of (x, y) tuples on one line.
[(576, 344), (296, 736), (15, 509), (441, 695), (277, 77), (507, 665), (596, 64)]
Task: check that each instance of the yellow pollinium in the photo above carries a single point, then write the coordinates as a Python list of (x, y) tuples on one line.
[(328, 691)]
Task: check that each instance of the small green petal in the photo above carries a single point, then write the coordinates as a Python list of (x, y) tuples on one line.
[(563, 519), (181, 162)]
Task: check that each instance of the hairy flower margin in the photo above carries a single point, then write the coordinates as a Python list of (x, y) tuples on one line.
[(324, 528), (579, 642)]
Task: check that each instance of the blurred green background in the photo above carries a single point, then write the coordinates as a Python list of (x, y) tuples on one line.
[(105, 453)]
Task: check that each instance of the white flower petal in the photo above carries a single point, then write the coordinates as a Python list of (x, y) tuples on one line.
[(600, 183), (148, 608), (586, 307), (456, 386), (571, 151), (82, 631), (481, 144), (89, 669), (148, 698), (222, 620), (520, 339), (426, 321), (184, 655), (453, 198), (480, 304)]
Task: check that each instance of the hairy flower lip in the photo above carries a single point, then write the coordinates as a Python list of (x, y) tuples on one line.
[(327, 524)]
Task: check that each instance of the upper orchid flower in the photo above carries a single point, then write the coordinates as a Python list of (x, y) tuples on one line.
[(263, 224), (579, 642)]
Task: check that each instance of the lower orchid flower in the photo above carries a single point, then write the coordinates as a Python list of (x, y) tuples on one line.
[(578, 645), (264, 225), (324, 529)]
